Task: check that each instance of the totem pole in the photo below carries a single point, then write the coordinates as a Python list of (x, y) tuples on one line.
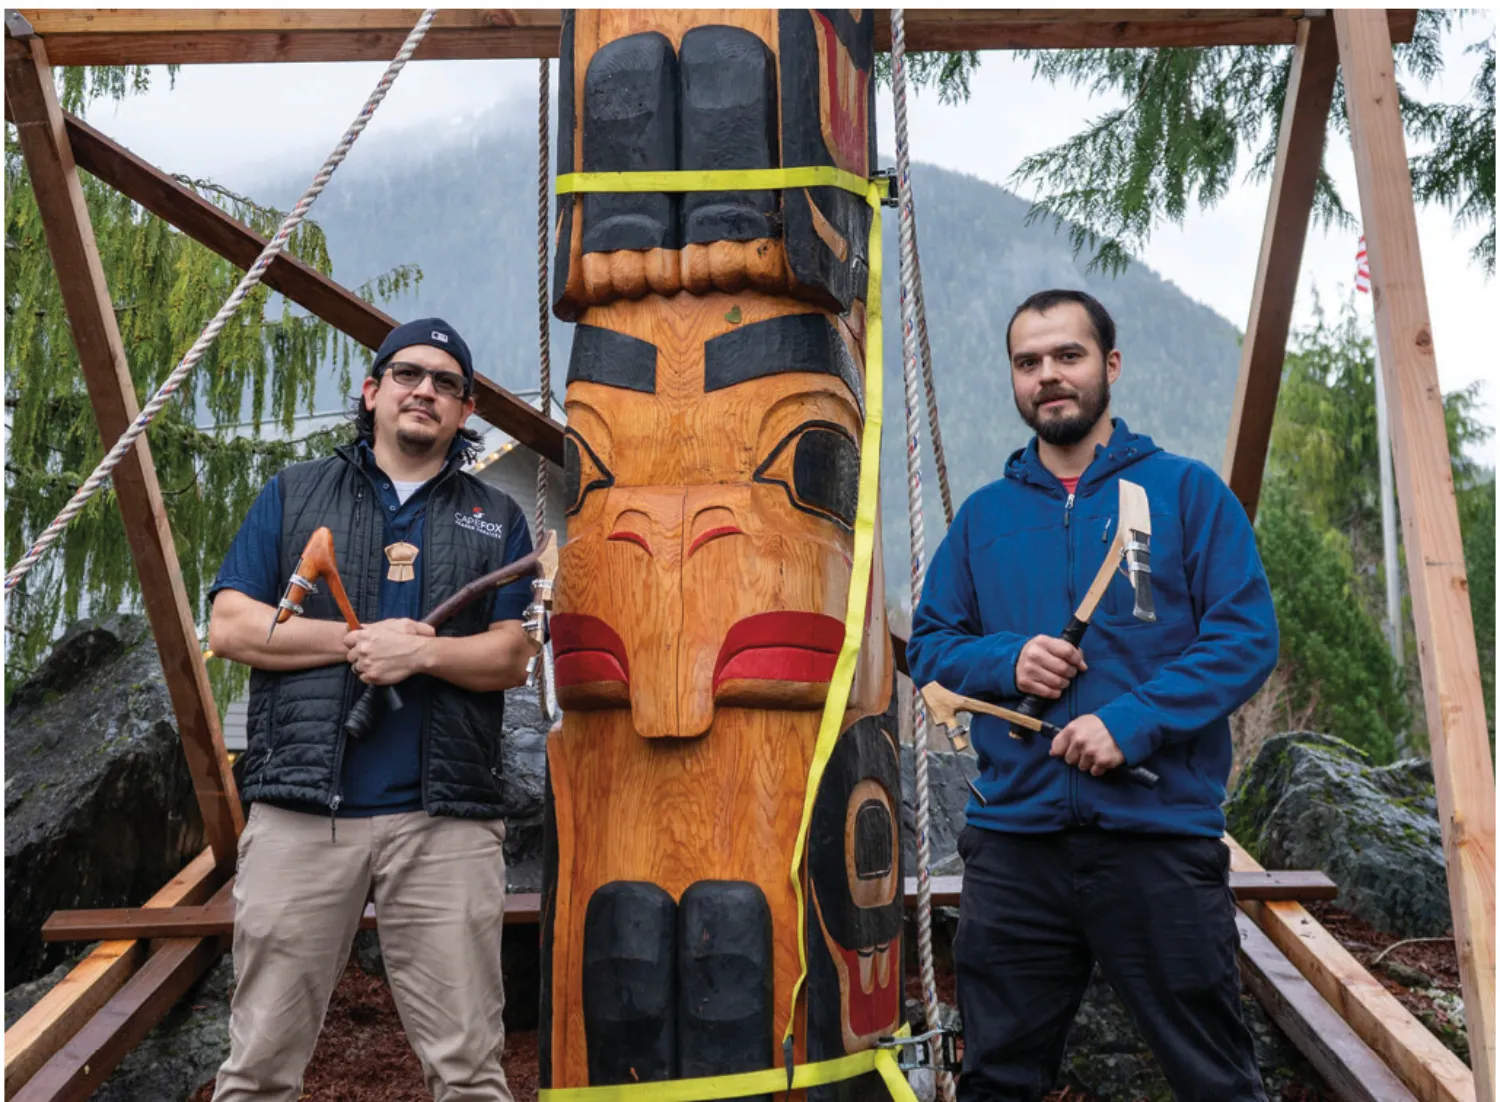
[(715, 406)]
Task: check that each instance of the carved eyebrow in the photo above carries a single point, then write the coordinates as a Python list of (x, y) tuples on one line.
[(778, 346), (611, 358)]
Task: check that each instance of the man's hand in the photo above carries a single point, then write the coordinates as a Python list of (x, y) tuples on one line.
[(388, 651), (1047, 665), (1087, 743)]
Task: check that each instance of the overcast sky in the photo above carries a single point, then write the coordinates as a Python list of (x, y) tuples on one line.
[(239, 124)]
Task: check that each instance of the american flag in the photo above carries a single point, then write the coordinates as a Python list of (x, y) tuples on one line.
[(1362, 267)]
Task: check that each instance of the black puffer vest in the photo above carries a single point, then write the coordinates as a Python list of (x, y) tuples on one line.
[(296, 720)]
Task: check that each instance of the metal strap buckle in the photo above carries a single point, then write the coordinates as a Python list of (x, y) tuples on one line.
[(947, 1041), (887, 176)]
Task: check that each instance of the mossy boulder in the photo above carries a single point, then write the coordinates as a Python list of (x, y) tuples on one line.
[(1310, 801), (99, 806)]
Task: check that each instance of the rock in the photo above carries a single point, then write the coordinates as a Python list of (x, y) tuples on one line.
[(99, 806), (185, 1049), (947, 775), (1404, 975), (523, 756), (1445, 1018), (1310, 801), (182, 1053), (22, 997), (367, 953), (1106, 1057)]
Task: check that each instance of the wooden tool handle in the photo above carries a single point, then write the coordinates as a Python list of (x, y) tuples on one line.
[(363, 716)]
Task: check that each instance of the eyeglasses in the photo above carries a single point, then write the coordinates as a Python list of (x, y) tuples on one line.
[(410, 376)]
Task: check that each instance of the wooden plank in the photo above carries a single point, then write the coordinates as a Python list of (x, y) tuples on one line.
[(212, 920), (1345, 1062), (1299, 155), (523, 908), (1436, 573), (81, 1065), (1247, 886), (302, 284), (32, 99), (1428, 1069), (60, 1013), (153, 37)]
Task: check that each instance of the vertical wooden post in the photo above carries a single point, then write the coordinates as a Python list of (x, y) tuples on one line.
[(1429, 517), (32, 98), (1299, 154)]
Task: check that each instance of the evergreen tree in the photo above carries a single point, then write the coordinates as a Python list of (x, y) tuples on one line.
[(1191, 114), (1331, 645), (1324, 531), (257, 376)]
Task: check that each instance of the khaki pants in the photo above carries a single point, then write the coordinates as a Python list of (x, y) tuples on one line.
[(440, 893)]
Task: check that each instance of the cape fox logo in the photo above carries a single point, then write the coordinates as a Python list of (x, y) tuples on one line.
[(474, 521)]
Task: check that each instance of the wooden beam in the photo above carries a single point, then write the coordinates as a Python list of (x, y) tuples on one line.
[(212, 920), (306, 286), (80, 1066), (62, 1011), (1421, 1061), (164, 36), (1436, 573), (1299, 156), (32, 99), (524, 908), (1345, 1062)]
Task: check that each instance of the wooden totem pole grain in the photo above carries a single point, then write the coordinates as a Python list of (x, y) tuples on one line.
[(715, 407)]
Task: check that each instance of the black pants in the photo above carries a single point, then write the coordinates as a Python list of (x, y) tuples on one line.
[(1157, 914)]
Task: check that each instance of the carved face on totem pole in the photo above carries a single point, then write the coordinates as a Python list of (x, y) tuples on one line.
[(715, 407)]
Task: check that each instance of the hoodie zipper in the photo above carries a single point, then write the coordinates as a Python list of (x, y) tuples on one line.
[(1069, 693)]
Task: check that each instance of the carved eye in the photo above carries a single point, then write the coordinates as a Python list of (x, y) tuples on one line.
[(870, 855), (817, 464), (583, 471)]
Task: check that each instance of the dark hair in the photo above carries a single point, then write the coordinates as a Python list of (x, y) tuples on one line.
[(364, 429), (1042, 301)]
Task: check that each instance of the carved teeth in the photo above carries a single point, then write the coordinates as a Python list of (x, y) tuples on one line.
[(867, 970)]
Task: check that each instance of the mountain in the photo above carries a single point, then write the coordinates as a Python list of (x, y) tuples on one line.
[(462, 206)]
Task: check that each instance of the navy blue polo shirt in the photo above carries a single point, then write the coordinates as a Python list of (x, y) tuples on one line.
[(382, 772)]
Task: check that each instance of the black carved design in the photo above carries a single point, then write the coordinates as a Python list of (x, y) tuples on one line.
[(776, 346), (612, 358)]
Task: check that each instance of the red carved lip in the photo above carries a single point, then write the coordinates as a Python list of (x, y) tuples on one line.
[(780, 646), (585, 649), (876, 1011)]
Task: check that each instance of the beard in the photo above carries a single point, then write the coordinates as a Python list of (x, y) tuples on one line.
[(422, 439), (1065, 430)]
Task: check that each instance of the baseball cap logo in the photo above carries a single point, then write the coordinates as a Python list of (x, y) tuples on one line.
[(478, 512), (443, 337)]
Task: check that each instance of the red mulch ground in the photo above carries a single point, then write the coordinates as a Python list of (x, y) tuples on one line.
[(363, 1056), (1437, 959)]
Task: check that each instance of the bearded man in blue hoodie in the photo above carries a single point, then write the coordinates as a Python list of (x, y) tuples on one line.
[(1065, 866)]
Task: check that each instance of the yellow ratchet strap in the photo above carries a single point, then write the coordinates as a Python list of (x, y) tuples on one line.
[(882, 1060)]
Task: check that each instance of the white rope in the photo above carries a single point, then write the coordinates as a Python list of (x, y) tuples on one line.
[(543, 676), (910, 375), (544, 333), (251, 278)]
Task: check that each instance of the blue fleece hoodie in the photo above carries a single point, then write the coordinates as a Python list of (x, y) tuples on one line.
[(1019, 557)]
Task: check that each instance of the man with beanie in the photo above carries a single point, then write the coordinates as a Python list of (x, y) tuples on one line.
[(409, 812), (1066, 864)]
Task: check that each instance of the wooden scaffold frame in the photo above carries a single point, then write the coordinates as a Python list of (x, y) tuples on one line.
[(1352, 1030)]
